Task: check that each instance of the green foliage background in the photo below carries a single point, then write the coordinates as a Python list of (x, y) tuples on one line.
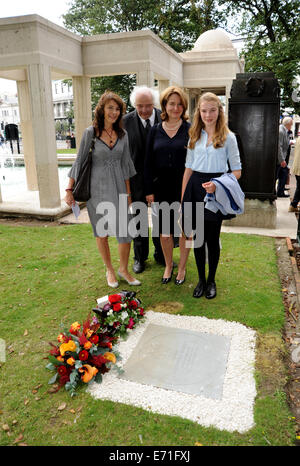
[(270, 29)]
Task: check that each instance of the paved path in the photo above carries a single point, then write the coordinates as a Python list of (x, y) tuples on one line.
[(286, 221)]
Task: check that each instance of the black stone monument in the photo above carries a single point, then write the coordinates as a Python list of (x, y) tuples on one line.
[(254, 113)]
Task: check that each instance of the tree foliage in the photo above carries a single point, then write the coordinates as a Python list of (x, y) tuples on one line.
[(270, 28), (272, 40), (177, 22)]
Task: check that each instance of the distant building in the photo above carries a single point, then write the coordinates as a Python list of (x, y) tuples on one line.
[(62, 94), (9, 110)]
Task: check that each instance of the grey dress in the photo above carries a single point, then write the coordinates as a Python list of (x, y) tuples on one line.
[(110, 169)]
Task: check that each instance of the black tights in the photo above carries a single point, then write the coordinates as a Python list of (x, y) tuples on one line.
[(212, 239)]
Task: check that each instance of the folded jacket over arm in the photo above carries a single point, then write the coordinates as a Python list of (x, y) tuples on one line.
[(228, 196)]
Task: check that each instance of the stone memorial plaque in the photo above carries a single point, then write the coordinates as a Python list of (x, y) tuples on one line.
[(181, 360)]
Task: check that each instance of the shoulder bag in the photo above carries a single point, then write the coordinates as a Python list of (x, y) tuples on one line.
[(81, 188)]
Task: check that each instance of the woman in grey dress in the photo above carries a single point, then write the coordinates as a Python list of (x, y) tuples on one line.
[(112, 168)]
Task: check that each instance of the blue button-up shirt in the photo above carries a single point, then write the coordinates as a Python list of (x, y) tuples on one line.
[(211, 160)]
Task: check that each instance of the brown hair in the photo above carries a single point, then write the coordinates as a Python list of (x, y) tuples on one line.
[(98, 122), (164, 97), (221, 130)]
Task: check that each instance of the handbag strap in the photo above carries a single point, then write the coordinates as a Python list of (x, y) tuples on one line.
[(93, 143)]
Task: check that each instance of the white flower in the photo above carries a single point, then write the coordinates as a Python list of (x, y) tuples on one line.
[(110, 312), (124, 315)]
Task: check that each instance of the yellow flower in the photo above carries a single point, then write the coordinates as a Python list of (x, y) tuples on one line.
[(75, 326), (88, 372), (61, 338), (110, 357), (87, 345), (70, 346), (59, 358), (71, 361)]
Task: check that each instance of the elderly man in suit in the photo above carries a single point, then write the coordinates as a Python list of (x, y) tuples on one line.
[(283, 145), (137, 125)]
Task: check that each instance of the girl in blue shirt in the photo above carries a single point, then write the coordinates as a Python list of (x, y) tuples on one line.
[(212, 150)]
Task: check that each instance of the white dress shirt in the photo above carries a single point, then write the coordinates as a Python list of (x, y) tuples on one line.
[(151, 118)]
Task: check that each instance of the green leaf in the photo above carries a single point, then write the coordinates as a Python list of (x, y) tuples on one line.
[(50, 367), (73, 377), (53, 379), (55, 361), (98, 378), (78, 364)]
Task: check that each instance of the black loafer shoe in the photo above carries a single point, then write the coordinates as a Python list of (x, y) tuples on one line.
[(199, 290), (211, 290), (138, 267)]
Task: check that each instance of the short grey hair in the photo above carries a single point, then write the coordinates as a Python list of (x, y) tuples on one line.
[(286, 120), (144, 90)]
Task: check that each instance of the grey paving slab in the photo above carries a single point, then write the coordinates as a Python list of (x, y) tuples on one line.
[(180, 360)]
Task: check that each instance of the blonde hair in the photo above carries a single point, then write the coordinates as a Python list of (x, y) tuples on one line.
[(164, 97), (221, 130)]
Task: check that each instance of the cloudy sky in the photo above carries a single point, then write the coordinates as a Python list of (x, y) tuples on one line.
[(49, 9)]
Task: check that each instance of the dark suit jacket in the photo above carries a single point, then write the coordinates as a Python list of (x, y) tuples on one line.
[(137, 145)]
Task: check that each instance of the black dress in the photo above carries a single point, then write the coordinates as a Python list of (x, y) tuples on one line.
[(165, 166)]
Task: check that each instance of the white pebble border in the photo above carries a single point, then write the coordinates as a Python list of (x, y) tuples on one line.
[(234, 412)]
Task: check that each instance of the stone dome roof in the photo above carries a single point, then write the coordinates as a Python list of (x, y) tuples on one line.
[(214, 39)]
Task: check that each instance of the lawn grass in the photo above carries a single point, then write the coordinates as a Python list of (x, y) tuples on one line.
[(54, 274), (66, 151)]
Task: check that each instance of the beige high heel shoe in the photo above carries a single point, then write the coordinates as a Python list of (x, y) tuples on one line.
[(111, 284), (135, 282)]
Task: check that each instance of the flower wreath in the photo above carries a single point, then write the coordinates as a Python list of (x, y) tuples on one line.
[(119, 313), (85, 352)]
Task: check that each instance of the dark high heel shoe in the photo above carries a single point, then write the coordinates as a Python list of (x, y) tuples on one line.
[(164, 281), (199, 290), (180, 282)]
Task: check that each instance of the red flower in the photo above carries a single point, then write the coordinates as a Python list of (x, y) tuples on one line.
[(117, 307), (62, 370), (64, 379), (116, 324), (83, 355), (94, 339), (142, 311), (114, 298), (131, 323), (82, 340), (98, 361), (55, 350), (133, 304)]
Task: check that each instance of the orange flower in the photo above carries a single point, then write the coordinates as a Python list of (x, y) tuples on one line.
[(61, 338), (87, 345), (110, 357), (88, 332), (88, 372), (71, 361), (75, 327), (59, 358)]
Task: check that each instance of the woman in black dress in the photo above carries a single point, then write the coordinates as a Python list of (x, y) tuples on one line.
[(164, 169)]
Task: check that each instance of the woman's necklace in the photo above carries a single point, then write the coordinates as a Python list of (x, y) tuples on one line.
[(173, 128), (110, 136)]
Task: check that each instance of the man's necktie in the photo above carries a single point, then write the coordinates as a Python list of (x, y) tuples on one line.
[(148, 125)]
